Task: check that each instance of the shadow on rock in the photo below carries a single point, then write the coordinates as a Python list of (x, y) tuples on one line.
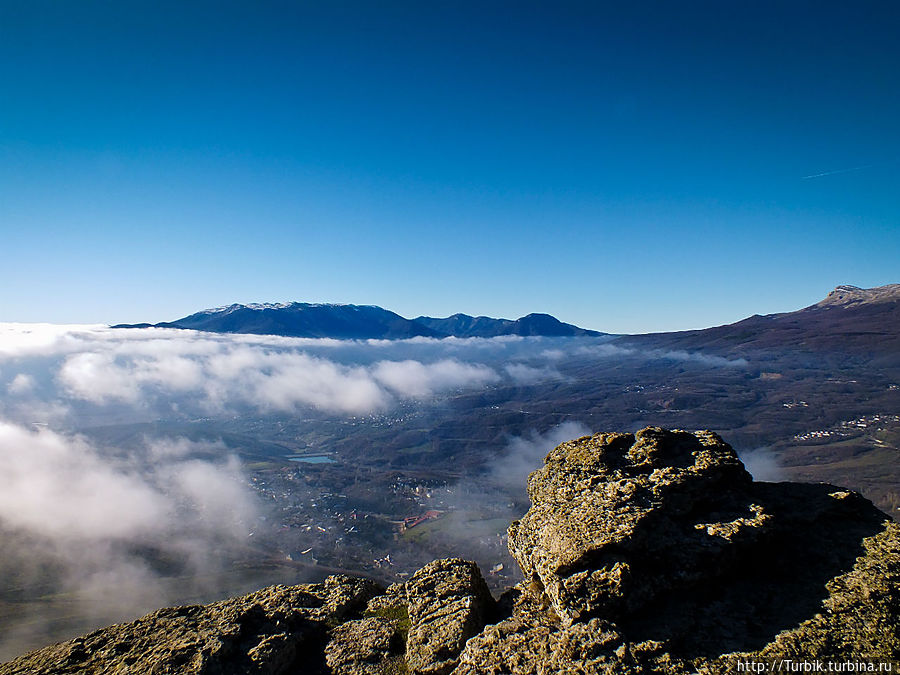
[(741, 602)]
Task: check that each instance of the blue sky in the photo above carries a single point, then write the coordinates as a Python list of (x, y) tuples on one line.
[(626, 169)]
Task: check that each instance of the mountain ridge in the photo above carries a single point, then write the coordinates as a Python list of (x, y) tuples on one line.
[(846, 294), (849, 319), (534, 324), (348, 321)]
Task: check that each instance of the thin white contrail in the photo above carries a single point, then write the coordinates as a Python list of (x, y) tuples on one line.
[(852, 168), (831, 173)]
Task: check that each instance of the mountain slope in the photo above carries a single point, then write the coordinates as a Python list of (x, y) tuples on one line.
[(849, 319)]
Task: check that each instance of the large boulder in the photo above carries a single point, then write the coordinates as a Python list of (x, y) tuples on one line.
[(656, 552), (368, 646), (618, 518)]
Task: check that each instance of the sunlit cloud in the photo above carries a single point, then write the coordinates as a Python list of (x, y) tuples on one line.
[(137, 367), (21, 384), (160, 371)]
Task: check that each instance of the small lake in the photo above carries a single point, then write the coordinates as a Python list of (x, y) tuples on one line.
[(313, 459)]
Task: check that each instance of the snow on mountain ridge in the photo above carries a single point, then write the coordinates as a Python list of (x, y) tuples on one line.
[(259, 306)]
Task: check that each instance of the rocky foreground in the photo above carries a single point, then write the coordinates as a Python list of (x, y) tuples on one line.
[(643, 553)]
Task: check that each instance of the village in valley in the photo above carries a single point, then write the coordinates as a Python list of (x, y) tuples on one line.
[(878, 422), (386, 533)]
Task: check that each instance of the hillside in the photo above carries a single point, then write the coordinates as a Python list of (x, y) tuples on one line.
[(848, 320), (652, 552)]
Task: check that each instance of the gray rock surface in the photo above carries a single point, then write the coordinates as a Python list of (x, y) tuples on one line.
[(614, 515)]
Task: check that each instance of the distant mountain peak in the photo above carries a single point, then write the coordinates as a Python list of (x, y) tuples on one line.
[(847, 295), (848, 320)]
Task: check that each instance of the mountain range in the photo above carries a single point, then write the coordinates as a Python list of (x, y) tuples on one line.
[(359, 322), (848, 319)]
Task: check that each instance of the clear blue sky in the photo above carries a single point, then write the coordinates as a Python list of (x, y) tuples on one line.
[(624, 166)]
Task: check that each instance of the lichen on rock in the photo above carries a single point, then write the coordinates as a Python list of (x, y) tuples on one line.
[(449, 602)]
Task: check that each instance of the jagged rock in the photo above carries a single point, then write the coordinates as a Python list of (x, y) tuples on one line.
[(390, 603), (655, 552), (449, 602), (346, 595), (646, 553), (614, 514)]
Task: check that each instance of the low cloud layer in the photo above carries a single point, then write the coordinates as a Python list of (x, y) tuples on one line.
[(610, 350), (47, 370), (763, 465), (524, 454), (214, 374), (100, 526)]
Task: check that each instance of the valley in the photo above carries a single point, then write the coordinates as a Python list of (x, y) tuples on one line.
[(381, 492)]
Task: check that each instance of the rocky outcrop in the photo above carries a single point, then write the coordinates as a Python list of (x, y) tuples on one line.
[(656, 552), (618, 519), (652, 552)]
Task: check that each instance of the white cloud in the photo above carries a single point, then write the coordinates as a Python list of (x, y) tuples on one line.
[(59, 487), (96, 377), (24, 339), (62, 487), (553, 354), (287, 381), (21, 384), (524, 454), (763, 465), (417, 380), (608, 350), (524, 374), (137, 367)]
